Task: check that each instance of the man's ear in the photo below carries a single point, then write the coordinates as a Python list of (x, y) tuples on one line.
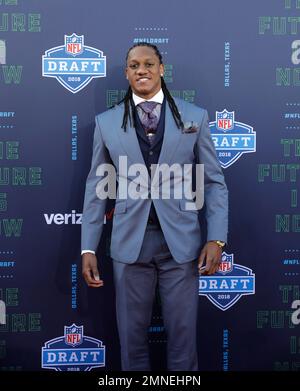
[(126, 73), (161, 69)]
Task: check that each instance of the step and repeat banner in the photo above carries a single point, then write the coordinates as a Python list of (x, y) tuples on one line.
[(61, 63)]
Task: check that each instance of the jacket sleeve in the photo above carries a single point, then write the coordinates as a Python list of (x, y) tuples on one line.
[(94, 207), (215, 189)]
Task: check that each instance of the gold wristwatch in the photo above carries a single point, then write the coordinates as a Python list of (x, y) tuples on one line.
[(219, 243)]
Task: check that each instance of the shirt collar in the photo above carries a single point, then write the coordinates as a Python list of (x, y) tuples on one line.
[(158, 98)]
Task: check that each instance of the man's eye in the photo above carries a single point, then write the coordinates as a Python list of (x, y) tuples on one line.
[(133, 66), (149, 64)]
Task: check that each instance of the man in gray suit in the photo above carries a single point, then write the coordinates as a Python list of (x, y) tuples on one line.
[(155, 240)]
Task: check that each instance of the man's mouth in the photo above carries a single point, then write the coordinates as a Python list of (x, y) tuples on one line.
[(143, 79)]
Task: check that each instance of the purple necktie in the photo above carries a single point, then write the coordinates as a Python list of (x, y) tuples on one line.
[(149, 119)]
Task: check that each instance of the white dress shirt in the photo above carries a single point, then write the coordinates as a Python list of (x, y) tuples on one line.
[(158, 98)]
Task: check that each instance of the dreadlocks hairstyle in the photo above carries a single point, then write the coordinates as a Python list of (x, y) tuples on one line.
[(129, 105)]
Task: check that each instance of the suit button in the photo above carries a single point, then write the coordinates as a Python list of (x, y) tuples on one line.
[(151, 153)]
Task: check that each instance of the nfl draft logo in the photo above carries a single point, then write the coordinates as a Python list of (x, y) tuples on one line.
[(73, 64), (228, 284), (73, 351), (73, 335), (225, 120), (231, 138), (74, 44)]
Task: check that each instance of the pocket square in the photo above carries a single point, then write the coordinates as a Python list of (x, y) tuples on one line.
[(190, 127)]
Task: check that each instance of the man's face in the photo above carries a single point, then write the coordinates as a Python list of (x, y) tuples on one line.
[(143, 71)]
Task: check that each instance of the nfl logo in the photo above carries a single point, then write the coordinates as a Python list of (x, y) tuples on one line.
[(73, 335), (74, 44), (225, 120), (226, 263)]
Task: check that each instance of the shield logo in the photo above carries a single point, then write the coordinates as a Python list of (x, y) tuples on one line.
[(63, 353), (73, 335), (225, 120), (74, 44), (228, 285), (74, 64), (231, 138)]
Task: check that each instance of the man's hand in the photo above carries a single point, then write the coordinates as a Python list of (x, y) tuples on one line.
[(90, 270), (212, 253)]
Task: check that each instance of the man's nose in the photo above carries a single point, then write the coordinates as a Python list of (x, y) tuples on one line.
[(142, 70)]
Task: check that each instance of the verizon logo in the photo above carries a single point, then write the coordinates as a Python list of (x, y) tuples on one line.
[(71, 218), (67, 218)]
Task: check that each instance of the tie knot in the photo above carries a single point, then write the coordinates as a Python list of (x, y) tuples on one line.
[(148, 106)]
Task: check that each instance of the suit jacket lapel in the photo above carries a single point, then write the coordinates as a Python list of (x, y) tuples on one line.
[(130, 144), (129, 140)]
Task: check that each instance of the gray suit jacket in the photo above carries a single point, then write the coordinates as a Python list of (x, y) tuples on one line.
[(180, 226)]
